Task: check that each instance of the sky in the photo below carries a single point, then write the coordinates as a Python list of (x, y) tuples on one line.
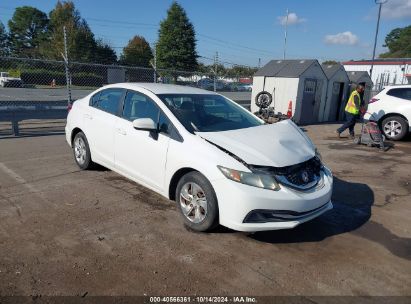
[(246, 31)]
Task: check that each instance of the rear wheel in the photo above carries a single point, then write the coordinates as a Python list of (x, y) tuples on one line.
[(197, 202), (81, 151), (395, 127)]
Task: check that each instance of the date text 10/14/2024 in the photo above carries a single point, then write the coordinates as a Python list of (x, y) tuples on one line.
[(203, 299)]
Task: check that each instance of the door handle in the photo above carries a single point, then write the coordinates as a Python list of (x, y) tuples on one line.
[(121, 131), (88, 116)]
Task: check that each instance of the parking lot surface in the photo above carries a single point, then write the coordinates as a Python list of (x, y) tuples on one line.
[(69, 232)]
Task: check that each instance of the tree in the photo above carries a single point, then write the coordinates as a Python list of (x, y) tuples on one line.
[(398, 42), (330, 62), (3, 41), (239, 71), (104, 53), (137, 52), (206, 70), (28, 30), (81, 43), (176, 47)]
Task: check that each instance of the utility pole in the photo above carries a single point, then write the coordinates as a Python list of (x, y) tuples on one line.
[(155, 62), (259, 62), (215, 70), (66, 63), (285, 34), (380, 3)]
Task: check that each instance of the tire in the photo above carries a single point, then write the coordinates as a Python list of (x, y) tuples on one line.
[(81, 151), (199, 215), (394, 127), (263, 99)]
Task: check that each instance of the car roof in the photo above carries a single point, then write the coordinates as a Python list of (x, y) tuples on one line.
[(160, 88), (407, 86)]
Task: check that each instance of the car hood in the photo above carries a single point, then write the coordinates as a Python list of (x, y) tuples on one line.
[(276, 145), (12, 78)]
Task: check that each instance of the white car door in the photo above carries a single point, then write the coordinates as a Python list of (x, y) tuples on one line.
[(100, 119), (138, 153), (400, 101)]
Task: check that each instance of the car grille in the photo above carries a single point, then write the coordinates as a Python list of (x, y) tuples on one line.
[(302, 176), (304, 173)]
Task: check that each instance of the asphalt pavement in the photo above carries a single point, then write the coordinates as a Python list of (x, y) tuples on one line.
[(69, 232)]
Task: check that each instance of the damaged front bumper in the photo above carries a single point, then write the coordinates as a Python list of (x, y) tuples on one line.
[(247, 208)]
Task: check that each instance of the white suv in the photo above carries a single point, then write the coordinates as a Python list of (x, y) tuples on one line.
[(391, 108)]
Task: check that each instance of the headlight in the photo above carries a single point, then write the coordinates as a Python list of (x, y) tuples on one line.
[(264, 181), (318, 155), (327, 171)]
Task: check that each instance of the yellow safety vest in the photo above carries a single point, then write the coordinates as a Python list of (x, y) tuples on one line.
[(351, 107)]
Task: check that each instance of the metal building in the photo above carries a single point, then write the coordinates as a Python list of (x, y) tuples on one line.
[(361, 78), (387, 71), (301, 81), (337, 92)]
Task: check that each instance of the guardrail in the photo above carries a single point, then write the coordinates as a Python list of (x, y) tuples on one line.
[(17, 111)]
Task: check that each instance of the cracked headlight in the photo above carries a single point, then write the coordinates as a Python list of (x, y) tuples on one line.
[(264, 181)]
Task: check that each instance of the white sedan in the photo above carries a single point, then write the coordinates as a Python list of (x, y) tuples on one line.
[(391, 109), (220, 163)]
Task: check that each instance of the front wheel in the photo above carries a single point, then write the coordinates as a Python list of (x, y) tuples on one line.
[(81, 151), (197, 202), (395, 127)]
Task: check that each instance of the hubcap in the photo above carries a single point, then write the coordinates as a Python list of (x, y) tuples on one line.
[(80, 151), (193, 202), (392, 128)]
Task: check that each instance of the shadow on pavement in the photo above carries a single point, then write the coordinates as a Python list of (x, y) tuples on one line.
[(32, 132), (351, 213), (352, 209)]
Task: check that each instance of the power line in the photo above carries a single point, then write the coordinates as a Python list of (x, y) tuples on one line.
[(131, 25), (215, 40), (122, 22), (233, 44), (226, 62)]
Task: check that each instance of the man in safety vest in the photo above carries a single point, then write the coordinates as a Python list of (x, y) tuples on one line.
[(352, 111)]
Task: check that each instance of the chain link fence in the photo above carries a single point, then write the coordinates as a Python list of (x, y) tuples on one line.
[(37, 89), (50, 74)]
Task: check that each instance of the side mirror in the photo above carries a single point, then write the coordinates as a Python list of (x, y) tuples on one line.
[(146, 124)]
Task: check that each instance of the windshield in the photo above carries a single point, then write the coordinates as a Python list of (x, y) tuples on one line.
[(4, 74), (208, 113)]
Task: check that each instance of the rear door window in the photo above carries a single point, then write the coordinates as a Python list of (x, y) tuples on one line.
[(108, 100), (404, 93)]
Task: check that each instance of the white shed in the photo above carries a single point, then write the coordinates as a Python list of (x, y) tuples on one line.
[(337, 92), (301, 81), (361, 77)]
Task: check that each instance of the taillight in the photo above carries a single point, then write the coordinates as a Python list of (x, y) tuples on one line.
[(373, 100), (70, 105)]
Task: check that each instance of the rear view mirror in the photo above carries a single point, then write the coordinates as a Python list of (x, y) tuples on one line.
[(146, 124)]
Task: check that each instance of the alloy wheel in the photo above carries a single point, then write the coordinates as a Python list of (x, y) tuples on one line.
[(80, 151), (392, 128), (193, 202)]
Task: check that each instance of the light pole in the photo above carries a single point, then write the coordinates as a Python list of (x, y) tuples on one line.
[(380, 3), (285, 35)]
